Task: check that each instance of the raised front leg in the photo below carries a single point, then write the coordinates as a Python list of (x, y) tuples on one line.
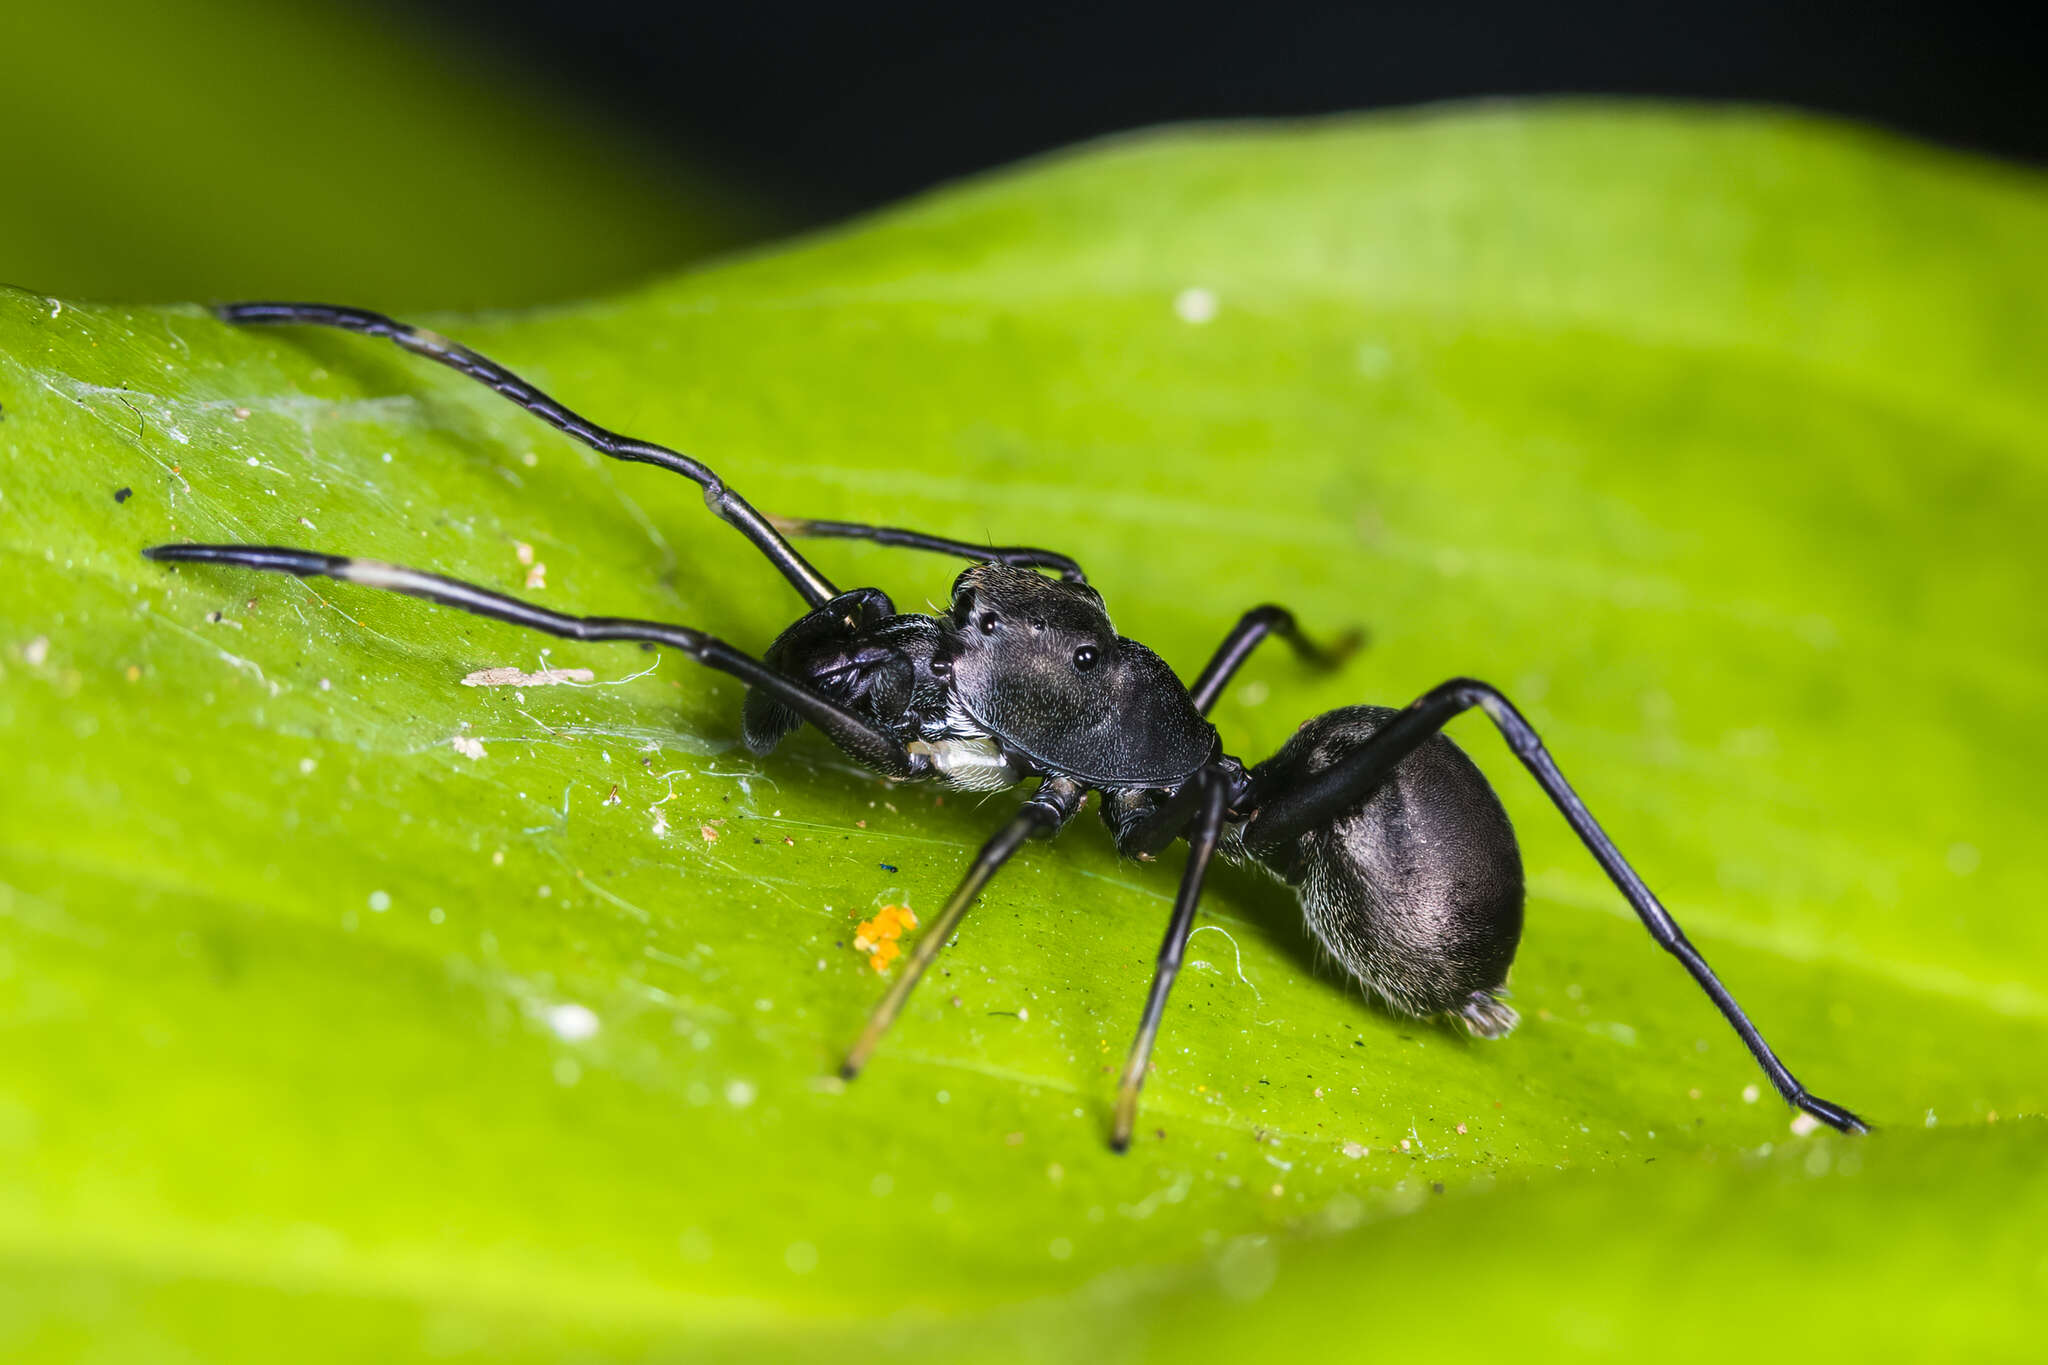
[(733, 508)]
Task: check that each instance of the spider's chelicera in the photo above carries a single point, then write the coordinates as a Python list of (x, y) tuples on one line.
[(1403, 861)]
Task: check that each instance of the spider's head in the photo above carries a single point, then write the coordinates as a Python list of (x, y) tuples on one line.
[(1036, 662), (1023, 616)]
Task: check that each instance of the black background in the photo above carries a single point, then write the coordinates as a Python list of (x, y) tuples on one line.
[(831, 108)]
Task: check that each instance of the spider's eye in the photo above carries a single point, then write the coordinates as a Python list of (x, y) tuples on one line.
[(1084, 658), (987, 623)]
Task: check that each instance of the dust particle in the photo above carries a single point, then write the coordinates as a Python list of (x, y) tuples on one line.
[(572, 1023), (513, 677), (1195, 306), (36, 651)]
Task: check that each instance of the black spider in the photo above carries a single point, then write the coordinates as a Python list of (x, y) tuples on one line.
[(1404, 862)]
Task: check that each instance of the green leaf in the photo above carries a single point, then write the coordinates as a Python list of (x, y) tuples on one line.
[(231, 148), (1716, 439)]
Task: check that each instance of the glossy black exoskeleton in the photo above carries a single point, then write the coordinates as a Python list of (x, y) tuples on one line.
[(1403, 861)]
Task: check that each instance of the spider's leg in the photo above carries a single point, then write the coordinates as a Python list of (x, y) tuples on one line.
[(814, 586), (1017, 556), (1249, 633), (859, 739), (1202, 834), (1282, 816), (1050, 807)]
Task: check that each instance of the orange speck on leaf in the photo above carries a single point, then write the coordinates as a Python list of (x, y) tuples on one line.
[(878, 937)]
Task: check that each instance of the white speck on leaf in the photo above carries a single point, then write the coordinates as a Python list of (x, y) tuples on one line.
[(1195, 305), (572, 1023)]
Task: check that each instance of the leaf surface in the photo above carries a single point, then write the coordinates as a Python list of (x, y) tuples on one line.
[(1717, 440)]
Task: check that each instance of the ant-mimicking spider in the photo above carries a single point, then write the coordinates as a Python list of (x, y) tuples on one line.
[(1404, 863)]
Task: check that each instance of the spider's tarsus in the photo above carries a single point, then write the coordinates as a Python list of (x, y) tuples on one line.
[(1344, 646), (1832, 1114)]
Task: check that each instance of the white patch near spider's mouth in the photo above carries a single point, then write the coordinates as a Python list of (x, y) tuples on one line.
[(974, 765)]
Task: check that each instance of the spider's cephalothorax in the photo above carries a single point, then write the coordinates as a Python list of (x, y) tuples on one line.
[(1024, 677), (1399, 852)]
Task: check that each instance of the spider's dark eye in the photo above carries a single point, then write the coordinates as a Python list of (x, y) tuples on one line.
[(1084, 658), (987, 623)]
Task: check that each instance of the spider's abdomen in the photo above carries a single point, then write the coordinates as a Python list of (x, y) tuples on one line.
[(1417, 889)]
